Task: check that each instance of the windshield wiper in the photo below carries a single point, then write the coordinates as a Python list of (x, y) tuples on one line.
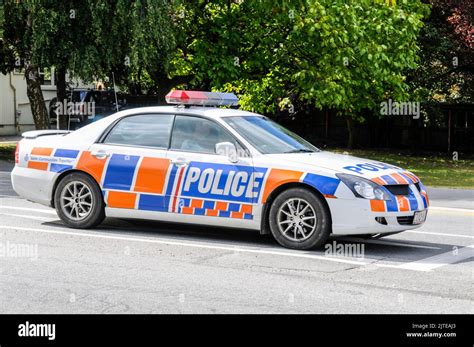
[(300, 150)]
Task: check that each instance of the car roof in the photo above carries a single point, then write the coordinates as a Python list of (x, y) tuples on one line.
[(211, 112)]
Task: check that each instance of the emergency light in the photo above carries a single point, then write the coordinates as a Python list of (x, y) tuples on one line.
[(191, 97)]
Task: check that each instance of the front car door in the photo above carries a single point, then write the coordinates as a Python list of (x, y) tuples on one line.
[(206, 187)]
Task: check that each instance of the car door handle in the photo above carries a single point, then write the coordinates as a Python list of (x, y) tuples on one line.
[(100, 154), (180, 162)]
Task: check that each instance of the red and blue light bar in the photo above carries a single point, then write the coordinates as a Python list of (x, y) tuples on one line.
[(192, 97)]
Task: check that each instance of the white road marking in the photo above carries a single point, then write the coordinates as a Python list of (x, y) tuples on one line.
[(439, 234), (44, 219), (451, 209), (452, 212), (49, 211), (223, 247), (388, 243), (431, 263)]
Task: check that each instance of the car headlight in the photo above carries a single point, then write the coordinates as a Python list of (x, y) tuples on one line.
[(364, 188)]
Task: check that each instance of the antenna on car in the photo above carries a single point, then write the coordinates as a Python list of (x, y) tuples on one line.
[(115, 92)]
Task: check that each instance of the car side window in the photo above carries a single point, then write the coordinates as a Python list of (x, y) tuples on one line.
[(150, 130), (195, 134)]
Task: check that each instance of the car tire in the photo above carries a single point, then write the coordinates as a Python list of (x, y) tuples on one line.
[(79, 202), (299, 219)]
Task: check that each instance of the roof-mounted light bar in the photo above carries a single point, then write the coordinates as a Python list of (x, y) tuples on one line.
[(190, 97)]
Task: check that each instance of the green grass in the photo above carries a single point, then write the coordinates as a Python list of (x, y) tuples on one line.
[(7, 152), (436, 170)]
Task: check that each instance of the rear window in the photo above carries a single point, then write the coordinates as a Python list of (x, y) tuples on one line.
[(150, 130)]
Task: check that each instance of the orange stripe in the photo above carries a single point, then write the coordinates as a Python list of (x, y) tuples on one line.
[(406, 177), (426, 197), (236, 215), (187, 210), (90, 164), (196, 203), (377, 205), (121, 199), (329, 196), (221, 206), (151, 175), (379, 181), (42, 151), (212, 213), (278, 177), (398, 178), (246, 208), (412, 176), (37, 165), (403, 204)]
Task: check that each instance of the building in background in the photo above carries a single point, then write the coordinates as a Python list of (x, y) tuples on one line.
[(15, 110)]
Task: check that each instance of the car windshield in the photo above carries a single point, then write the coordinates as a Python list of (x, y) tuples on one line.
[(267, 136)]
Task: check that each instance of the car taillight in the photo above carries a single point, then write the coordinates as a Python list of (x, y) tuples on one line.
[(17, 153)]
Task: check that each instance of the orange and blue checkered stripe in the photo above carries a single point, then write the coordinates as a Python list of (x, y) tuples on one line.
[(396, 178), (399, 203), (215, 208)]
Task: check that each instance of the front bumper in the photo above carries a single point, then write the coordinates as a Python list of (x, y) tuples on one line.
[(355, 217)]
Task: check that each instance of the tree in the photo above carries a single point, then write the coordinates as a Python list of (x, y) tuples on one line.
[(446, 68), (17, 49), (324, 53)]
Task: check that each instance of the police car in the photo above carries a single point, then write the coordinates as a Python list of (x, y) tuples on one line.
[(194, 162)]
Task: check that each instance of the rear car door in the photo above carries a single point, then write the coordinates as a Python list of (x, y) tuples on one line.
[(130, 163), (205, 186)]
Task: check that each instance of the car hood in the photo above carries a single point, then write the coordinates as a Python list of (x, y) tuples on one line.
[(339, 163)]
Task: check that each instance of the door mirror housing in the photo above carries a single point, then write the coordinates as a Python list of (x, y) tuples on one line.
[(227, 149)]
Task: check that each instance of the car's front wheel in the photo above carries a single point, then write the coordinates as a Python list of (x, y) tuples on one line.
[(299, 219), (78, 201)]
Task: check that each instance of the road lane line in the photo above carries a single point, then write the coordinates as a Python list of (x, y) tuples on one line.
[(451, 209), (387, 243), (49, 211), (438, 234), (44, 219), (441, 213), (427, 264), (299, 254)]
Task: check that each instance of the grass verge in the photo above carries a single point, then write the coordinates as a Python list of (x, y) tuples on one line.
[(436, 170), (7, 152)]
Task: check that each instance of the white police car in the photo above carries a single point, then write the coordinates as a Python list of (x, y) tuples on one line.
[(199, 164)]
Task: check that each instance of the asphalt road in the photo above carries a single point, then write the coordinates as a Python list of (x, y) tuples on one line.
[(150, 267)]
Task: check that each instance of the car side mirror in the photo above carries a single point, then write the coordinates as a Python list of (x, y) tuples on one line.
[(227, 149)]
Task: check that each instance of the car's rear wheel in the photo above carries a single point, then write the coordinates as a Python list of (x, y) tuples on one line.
[(79, 202), (299, 219)]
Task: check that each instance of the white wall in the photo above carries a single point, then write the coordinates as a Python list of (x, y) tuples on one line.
[(7, 107)]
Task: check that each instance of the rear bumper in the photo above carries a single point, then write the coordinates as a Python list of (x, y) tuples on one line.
[(33, 185)]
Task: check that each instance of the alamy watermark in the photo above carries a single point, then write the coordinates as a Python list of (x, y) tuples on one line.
[(69, 108), (400, 108), (28, 329), (351, 250), (18, 250)]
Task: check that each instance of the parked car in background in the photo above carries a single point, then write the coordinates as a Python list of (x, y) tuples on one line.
[(84, 106)]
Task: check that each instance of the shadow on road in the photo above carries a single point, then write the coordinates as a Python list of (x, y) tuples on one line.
[(394, 248)]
